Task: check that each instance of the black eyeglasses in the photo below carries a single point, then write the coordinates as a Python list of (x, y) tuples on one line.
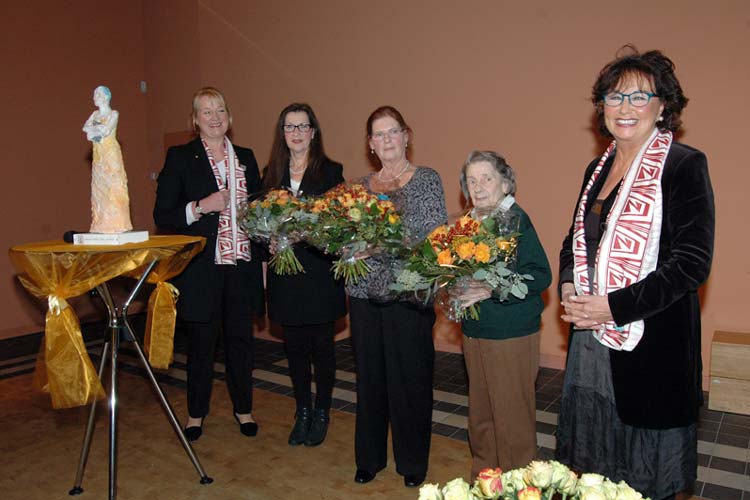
[(302, 127)]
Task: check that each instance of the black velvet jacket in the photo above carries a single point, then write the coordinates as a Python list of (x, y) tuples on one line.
[(658, 384)]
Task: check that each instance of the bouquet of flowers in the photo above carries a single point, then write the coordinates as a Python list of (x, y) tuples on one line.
[(537, 481), (271, 217), (352, 223), (456, 256)]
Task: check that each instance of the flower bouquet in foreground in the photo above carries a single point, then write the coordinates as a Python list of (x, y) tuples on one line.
[(269, 220), (453, 256), (537, 481), (352, 223)]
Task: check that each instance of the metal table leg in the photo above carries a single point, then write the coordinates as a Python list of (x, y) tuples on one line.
[(86, 446), (117, 324)]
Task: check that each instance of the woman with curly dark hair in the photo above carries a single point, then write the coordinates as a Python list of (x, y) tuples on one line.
[(639, 248)]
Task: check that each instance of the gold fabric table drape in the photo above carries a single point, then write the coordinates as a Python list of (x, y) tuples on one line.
[(56, 271)]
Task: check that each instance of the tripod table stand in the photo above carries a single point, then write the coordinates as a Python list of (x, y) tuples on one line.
[(56, 271)]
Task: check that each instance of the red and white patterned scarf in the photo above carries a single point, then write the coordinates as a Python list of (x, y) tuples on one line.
[(232, 243), (629, 246)]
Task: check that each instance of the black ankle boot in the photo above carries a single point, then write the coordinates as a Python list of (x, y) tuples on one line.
[(301, 426), (318, 428)]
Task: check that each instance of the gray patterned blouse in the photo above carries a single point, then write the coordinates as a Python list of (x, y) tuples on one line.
[(421, 203)]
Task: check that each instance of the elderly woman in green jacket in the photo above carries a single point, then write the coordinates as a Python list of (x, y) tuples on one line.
[(501, 348)]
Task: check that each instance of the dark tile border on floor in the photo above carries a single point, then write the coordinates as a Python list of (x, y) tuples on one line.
[(450, 376)]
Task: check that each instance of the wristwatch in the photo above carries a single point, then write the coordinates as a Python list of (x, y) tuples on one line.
[(198, 208)]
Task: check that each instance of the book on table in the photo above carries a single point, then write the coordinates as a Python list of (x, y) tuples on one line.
[(110, 238)]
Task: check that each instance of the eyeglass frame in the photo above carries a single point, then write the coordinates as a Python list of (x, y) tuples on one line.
[(392, 133), (630, 100), (289, 128)]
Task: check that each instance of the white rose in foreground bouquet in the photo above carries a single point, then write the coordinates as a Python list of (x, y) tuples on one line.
[(539, 480)]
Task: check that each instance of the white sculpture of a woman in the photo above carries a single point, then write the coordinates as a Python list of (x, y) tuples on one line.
[(110, 203)]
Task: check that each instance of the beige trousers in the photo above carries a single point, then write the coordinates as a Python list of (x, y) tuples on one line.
[(502, 403)]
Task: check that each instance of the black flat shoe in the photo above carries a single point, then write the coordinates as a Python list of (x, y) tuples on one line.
[(248, 428), (301, 426), (193, 432), (318, 428), (413, 480), (362, 476)]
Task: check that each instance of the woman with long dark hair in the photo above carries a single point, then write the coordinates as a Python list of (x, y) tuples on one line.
[(306, 304)]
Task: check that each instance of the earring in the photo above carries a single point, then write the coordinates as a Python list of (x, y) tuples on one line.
[(660, 119), (372, 151)]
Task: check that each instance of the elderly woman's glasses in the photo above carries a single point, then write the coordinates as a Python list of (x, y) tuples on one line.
[(302, 127), (636, 99), (381, 135)]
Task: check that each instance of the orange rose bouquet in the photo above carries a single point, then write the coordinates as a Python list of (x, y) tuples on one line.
[(352, 223), (454, 257), (270, 219)]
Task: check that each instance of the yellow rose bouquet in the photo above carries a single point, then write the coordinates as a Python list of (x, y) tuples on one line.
[(270, 219), (537, 481), (454, 256), (352, 223)]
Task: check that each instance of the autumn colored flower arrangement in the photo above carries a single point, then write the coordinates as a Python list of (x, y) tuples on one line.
[(271, 217), (347, 221), (453, 255), (352, 223), (540, 480)]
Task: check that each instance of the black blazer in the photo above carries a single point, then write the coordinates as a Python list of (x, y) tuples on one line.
[(657, 385), (187, 176), (312, 297)]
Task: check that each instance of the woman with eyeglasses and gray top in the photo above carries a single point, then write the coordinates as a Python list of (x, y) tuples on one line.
[(306, 304), (392, 339), (639, 248)]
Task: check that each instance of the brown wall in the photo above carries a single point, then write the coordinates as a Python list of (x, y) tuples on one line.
[(54, 54), (475, 74)]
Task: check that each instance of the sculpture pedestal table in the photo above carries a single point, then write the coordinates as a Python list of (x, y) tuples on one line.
[(56, 270)]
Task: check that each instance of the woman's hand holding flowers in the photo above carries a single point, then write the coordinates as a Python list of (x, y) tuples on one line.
[(470, 291)]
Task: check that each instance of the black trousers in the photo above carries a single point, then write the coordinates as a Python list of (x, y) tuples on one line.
[(395, 359), (306, 343), (233, 318)]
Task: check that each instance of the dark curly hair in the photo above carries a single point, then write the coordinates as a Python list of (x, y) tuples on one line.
[(655, 67)]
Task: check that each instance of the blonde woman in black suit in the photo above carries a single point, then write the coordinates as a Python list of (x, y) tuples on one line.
[(199, 189), (306, 304)]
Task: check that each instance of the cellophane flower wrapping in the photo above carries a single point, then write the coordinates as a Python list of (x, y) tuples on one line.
[(540, 480), (271, 220), (350, 222), (459, 255)]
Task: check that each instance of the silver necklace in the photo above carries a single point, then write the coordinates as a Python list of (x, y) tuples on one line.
[(297, 170), (403, 171)]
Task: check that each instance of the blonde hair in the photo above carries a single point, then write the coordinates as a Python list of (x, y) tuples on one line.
[(208, 92)]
